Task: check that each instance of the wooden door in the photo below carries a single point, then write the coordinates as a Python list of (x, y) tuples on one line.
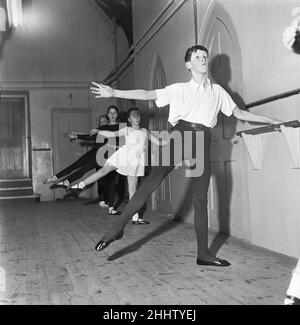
[(228, 187), (14, 136), (66, 152)]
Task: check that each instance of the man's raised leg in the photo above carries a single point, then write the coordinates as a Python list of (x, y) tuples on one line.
[(150, 184)]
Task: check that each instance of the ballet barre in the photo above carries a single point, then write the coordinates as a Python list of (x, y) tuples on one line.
[(269, 128), (256, 140)]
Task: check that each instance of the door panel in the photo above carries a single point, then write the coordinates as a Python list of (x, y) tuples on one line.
[(66, 152), (14, 155)]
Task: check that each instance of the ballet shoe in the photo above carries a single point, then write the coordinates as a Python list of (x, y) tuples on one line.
[(140, 221), (113, 212), (290, 300), (58, 185), (74, 191), (102, 204), (217, 262), (74, 188), (102, 244)]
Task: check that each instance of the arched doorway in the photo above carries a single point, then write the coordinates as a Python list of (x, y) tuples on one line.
[(162, 197), (228, 194)]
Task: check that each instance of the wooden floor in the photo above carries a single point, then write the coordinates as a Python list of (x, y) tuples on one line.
[(47, 257)]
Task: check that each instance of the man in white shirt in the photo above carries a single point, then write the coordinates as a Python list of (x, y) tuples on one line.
[(194, 107)]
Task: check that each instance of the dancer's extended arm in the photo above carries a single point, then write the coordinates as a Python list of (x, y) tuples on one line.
[(251, 117), (103, 91), (113, 134), (82, 136)]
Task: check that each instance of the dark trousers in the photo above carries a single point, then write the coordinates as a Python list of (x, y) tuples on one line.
[(103, 194), (81, 166), (157, 174), (107, 187)]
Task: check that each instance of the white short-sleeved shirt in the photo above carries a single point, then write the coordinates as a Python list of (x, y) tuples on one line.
[(197, 103)]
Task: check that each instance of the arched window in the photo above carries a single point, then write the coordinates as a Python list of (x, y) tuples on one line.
[(162, 197), (158, 80), (15, 13), (2, 20)]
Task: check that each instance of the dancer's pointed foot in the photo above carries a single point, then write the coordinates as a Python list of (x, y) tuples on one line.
[(103, 205), (113, 212), (206, 258), (78, 188), (290, 300), (102, 244), (63, 184), (140, 221), (216, 262), (50, 180)]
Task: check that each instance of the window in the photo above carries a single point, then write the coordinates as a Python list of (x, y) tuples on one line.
[(2, 20)]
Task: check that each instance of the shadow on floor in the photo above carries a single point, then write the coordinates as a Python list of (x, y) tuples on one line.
[(170, 224), (218, 241)]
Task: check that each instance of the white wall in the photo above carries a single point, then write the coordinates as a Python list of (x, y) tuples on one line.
[(269, 69), (68, 40)]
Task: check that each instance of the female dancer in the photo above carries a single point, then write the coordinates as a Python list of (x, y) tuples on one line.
[(129, 160), (88, 162), (81, 165), (101, 184)]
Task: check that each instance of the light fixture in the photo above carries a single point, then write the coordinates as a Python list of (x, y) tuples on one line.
[(15, 13)]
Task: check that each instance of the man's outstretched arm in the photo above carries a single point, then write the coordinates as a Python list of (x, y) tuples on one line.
[(251, 117), (103, 91)]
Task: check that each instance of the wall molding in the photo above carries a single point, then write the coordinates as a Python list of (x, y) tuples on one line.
[(206, 21), (216, 11)]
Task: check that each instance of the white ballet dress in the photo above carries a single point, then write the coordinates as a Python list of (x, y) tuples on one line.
[(130, 159)]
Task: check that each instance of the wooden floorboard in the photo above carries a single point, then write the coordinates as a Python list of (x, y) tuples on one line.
[(47, 257)]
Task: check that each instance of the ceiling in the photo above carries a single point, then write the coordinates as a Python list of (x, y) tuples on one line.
[(120, 10)]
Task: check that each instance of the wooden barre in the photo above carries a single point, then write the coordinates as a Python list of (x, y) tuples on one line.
[(269, 128)]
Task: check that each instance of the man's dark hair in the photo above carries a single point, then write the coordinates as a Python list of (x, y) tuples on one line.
[(192, 50)]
